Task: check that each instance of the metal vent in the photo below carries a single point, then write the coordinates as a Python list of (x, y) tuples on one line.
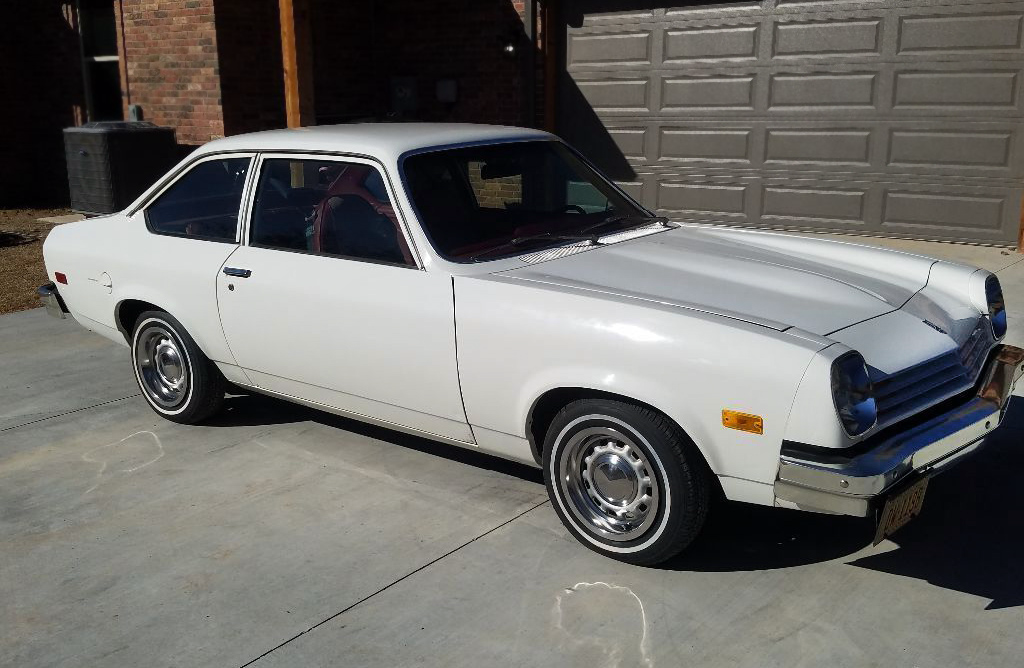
[(633, 233), (555, 253)]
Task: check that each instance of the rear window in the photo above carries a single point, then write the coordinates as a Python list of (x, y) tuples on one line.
[(203, 203)]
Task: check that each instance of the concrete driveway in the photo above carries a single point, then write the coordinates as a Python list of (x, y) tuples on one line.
[(281, 536)]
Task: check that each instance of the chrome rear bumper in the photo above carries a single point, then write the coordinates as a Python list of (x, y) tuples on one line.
[(853, 485), (52, 300)]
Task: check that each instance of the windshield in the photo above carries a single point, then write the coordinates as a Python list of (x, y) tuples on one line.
[(487, 202)]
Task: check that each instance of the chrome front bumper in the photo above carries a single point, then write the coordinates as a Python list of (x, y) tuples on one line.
[(832, 482), (52, 300)]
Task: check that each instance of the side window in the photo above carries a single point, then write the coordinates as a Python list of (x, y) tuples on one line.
[(203, 203), (327, 208)]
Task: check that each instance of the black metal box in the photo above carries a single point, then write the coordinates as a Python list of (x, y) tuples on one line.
[(110, 163)]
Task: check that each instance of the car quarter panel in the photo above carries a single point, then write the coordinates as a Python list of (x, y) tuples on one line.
[(177, 274), (519, 339)]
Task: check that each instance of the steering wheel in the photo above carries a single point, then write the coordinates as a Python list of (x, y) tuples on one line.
[(575, 208)]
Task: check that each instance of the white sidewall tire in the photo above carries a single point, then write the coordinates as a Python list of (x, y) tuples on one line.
[(681, 478), (140, 327), (664, 511)]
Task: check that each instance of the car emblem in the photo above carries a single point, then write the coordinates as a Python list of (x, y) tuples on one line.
[(935, 327)]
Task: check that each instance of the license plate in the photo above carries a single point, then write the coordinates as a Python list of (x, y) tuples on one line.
[(900, 509)]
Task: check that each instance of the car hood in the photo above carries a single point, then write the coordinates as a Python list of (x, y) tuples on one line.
[(775, 280)]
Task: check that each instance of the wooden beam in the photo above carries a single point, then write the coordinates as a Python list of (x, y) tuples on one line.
[(297, 57)]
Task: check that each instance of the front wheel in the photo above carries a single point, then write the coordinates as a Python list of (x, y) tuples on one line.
[(177, 380), (625, 481)]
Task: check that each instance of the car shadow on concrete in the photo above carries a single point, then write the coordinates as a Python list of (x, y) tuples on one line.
[(970, 535), (256, 410), (968, 538)]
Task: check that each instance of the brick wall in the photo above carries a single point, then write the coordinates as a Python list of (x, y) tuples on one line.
[(170, 54), (43, 79)]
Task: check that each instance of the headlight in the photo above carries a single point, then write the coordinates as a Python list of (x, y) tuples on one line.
[(996, 307), (853, 394)]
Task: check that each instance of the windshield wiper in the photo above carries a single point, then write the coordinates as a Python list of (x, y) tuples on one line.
[(611, 220), (543, 236), (581, 236), (586, 234)]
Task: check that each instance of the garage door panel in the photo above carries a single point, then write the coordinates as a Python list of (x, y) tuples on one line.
[(704, 145), (631, 141), (799, 6), (955, 34), (612, 48), (617, 95), (683, 46), (918, 210), (813, 204), (828, 38), (950, 149), (707, 93), (967, 211), (818, 147), (824, 91), (898, 117), (980, 89), (726, 201), (890, 149)]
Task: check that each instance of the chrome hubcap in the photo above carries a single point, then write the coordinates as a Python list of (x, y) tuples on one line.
[(609, 484), (162, 366)]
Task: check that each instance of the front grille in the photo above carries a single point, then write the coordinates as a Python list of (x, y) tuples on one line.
[(974, 351), (923, 385)]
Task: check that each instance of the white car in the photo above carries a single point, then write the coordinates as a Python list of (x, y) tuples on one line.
[(487, 287)]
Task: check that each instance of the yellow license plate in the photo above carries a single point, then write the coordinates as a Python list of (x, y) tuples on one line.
[(900, 509)]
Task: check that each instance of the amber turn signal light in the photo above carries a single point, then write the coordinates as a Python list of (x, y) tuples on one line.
[(743, 421)]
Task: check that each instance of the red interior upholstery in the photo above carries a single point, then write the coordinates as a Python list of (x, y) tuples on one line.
[(350, 182)]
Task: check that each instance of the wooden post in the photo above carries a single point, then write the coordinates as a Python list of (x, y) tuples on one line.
[(297, 53)]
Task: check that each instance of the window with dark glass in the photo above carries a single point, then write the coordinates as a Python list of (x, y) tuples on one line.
[(203, 203), (328, 208), (491, 201)]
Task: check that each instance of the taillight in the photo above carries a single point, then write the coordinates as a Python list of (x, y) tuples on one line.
[(61, 278)]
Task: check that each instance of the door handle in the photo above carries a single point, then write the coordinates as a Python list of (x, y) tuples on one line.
[(239, 273)]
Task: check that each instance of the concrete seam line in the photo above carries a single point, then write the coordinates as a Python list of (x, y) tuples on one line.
[(392, 584), (1012, 264), (77, 410)]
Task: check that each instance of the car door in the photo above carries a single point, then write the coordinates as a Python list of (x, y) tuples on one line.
[(325, 302)]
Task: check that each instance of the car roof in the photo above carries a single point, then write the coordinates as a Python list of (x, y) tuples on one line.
[(385, 141)]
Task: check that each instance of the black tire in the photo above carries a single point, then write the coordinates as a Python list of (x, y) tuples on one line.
[(177, 380), (601, 496)]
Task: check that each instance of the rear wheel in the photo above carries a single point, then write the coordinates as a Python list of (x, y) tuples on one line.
[(177, 380), (625, 481)]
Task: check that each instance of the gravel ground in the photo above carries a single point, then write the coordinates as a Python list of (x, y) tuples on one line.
[(21, 256)]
